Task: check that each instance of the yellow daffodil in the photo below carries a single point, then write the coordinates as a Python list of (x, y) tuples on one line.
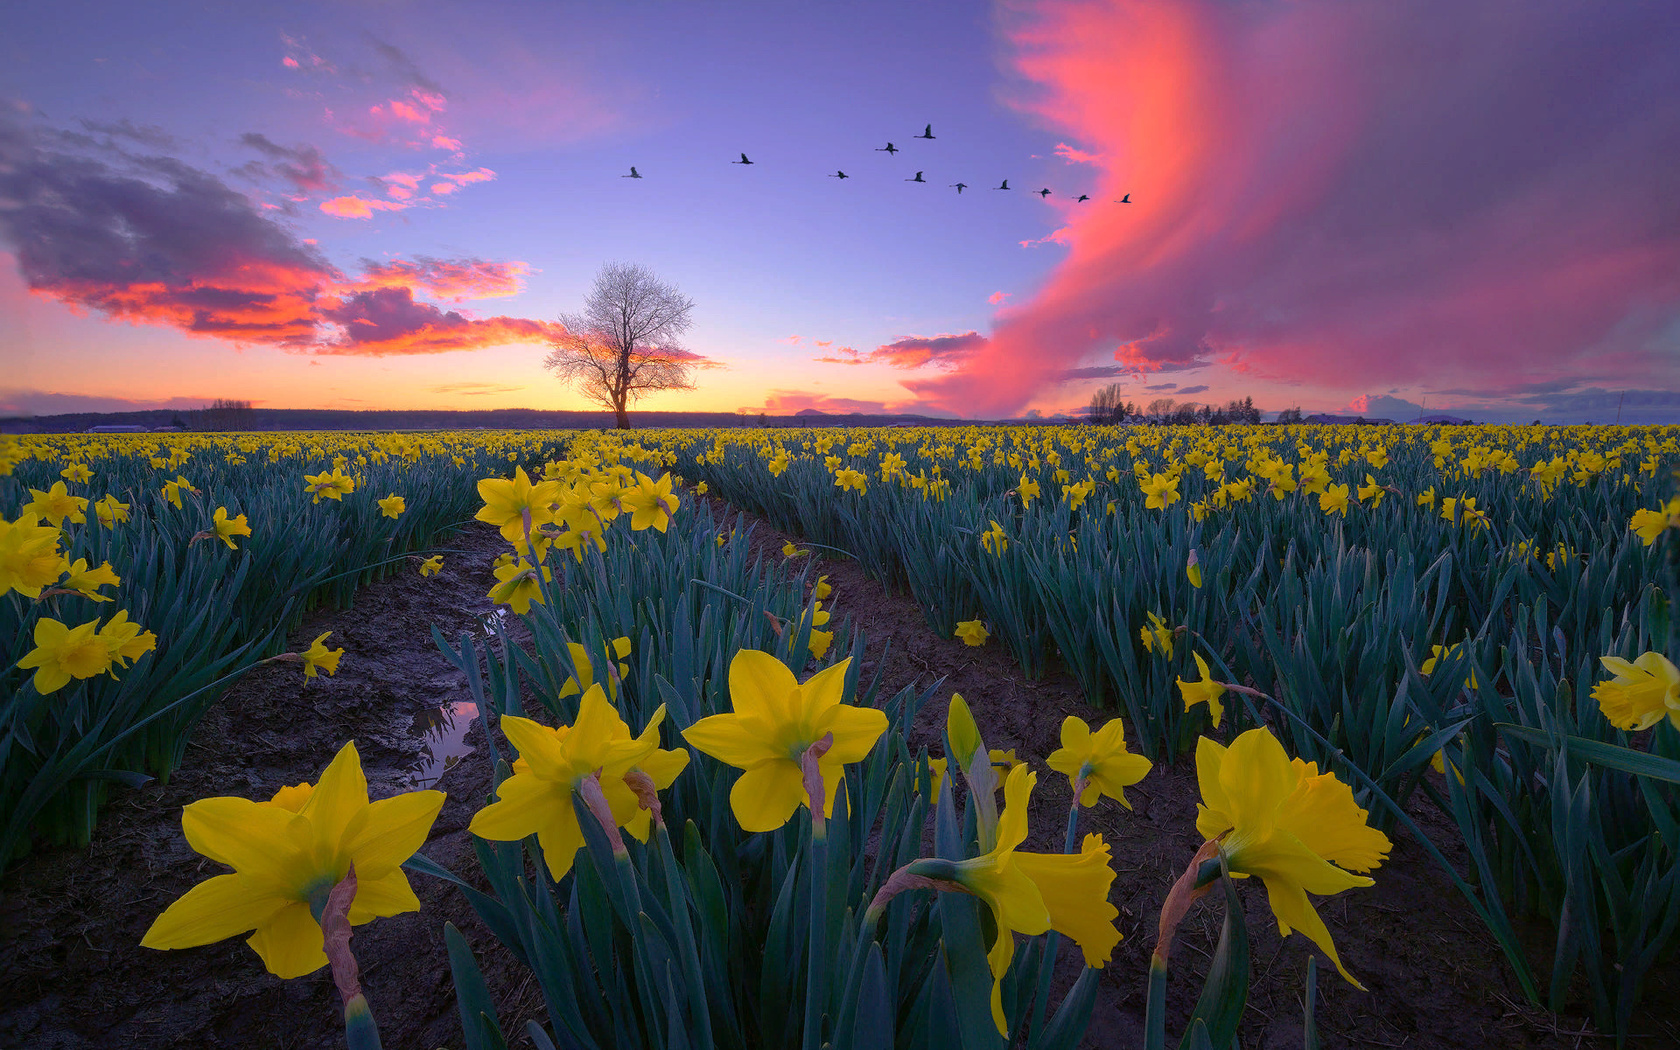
[(227, 528), (432, 566), (1426, 498), (586, 670), (823, 588), (994, 540), (1334, 500), (651, 503), (110, 511), (1642, 693), (1287, 823), (330, 484), (972, 632), (700, 489), (56, 505), (517, 585), (1161, 490), (552, 764), (1650, 524), (775, 720), (516, 506), (77, 472), (1097, 763), (1028, 490), (125, 640), (1205, 691), (318, 657), (392, 506), (790, 551), (86, 581), (1157, 637), (846, 478), (62, 653), (1372, 491), (287, 853)]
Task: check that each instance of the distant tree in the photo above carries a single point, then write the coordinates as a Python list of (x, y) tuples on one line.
[(1107, 409), (1183, 415), (1160, 409), (226, 414), (1290, 415), (624, 344)]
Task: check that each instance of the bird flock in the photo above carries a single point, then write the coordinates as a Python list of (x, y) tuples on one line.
[(891, 150)]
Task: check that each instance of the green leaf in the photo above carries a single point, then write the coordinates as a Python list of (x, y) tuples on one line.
[(1610, 756), (479, 1024)]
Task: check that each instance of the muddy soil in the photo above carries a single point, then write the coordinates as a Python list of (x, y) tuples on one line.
[(72, 974)]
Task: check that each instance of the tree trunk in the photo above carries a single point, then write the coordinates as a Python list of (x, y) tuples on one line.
[(623, 416)]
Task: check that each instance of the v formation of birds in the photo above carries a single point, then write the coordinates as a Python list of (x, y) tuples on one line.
[(889, 149)]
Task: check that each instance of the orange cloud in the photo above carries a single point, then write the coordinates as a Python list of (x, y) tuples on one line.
[(454, 279), (353, 207), (1075, 156)]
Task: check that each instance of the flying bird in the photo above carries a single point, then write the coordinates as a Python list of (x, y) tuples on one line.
[(1005, 185), (928, 134), (889, 150), (743, 160), (918, 178), (634, 174), (1042, 193), (960, 187), (839, 175), (1127, 199), (1081, 199)]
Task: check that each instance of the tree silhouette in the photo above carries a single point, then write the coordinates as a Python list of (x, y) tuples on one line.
[(624, 343)]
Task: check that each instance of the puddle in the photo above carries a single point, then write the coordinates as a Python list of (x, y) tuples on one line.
[(444, 732)]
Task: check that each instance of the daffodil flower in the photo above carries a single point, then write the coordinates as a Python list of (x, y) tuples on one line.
[(62, 652), (1334, 500), (972, 632), (775, 721), (125, 640), (1642, 693), (329, 484), (1205, 691), (227, 528), (86, 581), (1157, 637), (56, 505), (790, 551), (552, 764), (29, 556), (432, 566), (1097, 764), (586, 670), (318, 657), (1282, 820), (287, 854), (110, 511), (517, 585), (392, 506), (651, 503)]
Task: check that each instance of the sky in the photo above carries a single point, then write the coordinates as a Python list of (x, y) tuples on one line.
[(1456, 206)]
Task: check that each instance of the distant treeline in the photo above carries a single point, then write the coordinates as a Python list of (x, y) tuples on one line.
[(1108, 409), (233, 415)]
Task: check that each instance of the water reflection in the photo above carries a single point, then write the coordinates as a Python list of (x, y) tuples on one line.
[(444, 732)]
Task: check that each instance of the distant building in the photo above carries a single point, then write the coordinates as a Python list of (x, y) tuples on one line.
[(118, 428), (1327, 418)]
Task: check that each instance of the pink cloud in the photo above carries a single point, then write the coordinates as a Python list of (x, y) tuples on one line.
[(998, 297), (401, 185), (455, 279), (1075, 156), (289, 62), (791, 340), (445, 142), (353, 207), (1326, 194)]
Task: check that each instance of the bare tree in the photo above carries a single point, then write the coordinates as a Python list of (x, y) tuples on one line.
[(1107, 407), (624, 343)]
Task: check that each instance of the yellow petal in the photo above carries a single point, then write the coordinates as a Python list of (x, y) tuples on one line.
[(1322, 814), (825, 689), (1075, 891), (734, 740), (536, 744), (760, 685), (256, 840), (290, 942), (340, 794), (1012, 825), (855, 729), (523, 802), (387, 895), (393, 829), (766, 796), (560, 838), (1294, 911), (214, 910)]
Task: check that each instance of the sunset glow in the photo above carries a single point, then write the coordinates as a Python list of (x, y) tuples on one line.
[(1380, 210)]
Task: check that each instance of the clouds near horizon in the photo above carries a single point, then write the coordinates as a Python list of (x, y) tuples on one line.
[(1350, 195)]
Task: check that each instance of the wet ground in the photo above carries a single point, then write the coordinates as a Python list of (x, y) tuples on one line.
[(72, 974)]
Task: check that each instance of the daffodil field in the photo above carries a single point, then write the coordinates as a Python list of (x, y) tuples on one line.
[(710, 829)]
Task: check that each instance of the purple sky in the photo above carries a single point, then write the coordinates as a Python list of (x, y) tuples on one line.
[(1347, 207)]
